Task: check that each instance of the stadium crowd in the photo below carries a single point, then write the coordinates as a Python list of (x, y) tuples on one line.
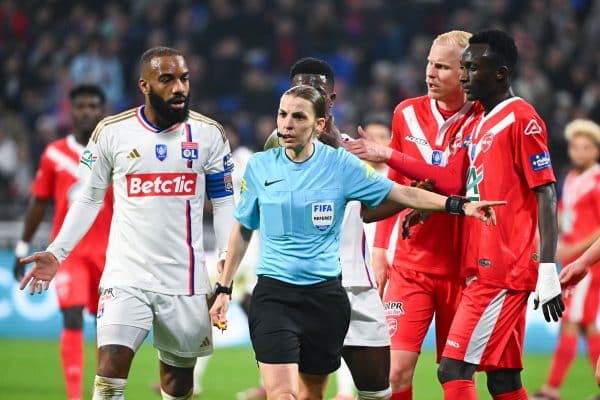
[(240, 52)]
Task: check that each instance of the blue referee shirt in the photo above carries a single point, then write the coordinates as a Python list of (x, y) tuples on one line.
[(299, 208)]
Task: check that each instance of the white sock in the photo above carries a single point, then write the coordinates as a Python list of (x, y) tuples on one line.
[(109, 388), (345, 383), (167, 396), (199, 369)]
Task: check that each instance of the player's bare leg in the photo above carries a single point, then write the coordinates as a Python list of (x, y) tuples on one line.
[(312, 387), (281, 381), (114, 362), (176, 382), (402, 369), (370, 368)]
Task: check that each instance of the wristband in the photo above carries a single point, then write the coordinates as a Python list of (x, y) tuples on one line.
[(455, 205), (21, 249)]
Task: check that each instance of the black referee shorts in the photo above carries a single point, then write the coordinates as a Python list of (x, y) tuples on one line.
[(299, 324)]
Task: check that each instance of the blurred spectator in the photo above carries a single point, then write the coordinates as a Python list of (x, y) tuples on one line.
[(239, 52)]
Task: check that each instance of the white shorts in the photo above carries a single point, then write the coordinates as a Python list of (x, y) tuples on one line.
[(180, 324), (367, 320)]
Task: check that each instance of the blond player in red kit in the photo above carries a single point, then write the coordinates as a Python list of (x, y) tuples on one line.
[(425, 277)]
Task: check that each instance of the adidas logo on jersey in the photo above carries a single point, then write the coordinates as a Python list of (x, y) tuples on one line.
[(165, 184), (133, 154), (205, 342)]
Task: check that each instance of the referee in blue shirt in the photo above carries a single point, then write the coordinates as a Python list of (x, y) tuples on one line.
[(296, 195)]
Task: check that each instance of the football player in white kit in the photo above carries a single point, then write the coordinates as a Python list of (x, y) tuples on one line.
[(161, 159)]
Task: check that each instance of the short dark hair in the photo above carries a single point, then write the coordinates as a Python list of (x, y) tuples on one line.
[(87, 90), (313, 66), (311, 94), (501, 44), (159, 51)]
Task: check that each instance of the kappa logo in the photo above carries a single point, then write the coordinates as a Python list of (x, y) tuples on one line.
[(393, 308), (416, 140), (205, 342), (533, 128), (133, 154), (392, 326)]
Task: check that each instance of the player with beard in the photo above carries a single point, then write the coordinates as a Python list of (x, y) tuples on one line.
[(161, 159), (79, 276)]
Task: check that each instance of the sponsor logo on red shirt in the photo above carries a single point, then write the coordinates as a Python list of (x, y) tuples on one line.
[(163, 184)]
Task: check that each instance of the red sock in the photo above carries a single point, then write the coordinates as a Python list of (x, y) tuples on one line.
[(405, 394), (593, 348), (563, 357), (71, 353), (519, 394), (459, 390)]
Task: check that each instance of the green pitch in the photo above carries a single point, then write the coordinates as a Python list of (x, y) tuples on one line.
[(31, 371)]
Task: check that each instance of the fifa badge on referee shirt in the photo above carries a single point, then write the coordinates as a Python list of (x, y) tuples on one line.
[(189, 150), (322, 215), (161, 151)]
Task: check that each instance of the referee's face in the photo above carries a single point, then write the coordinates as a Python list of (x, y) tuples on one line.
[(296, 122)]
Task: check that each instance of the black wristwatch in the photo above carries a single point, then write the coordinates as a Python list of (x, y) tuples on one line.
[(456, 205), (223, 289)]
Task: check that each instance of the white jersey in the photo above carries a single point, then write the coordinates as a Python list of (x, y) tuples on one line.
[(370, 228), (355, 256), (240, 157), (159, 180)]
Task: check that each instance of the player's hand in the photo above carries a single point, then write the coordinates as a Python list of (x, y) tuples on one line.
[(368, 150), (411, 219), (380, 265), (548, 292), (427, 184), (483, 210), (44, 268), (572, 274), (18, 270), (218, 311)]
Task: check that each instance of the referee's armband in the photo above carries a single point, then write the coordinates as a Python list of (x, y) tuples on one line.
[(219, 185)]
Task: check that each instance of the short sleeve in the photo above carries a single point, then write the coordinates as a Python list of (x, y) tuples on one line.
[(533, 156), (361, 182), (43, 183), (219, 166), (247, 210)]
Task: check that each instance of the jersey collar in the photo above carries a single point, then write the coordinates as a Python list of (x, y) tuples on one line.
[(139, 113)]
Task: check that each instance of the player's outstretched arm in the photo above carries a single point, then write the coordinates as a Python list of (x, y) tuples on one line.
[(548, 291), (578, 269), (429, 201), (44, 269), (238, 244)]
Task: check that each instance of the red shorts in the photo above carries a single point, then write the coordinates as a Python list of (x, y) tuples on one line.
[(77, 282), (411, 300), (489, 327), (582, 304)]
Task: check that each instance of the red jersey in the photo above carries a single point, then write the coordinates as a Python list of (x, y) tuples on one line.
[(508, 155), (580, 206), (56, 179), (420, 130)]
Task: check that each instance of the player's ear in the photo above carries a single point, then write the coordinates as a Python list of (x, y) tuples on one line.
[(502, 73), (144, 86)]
